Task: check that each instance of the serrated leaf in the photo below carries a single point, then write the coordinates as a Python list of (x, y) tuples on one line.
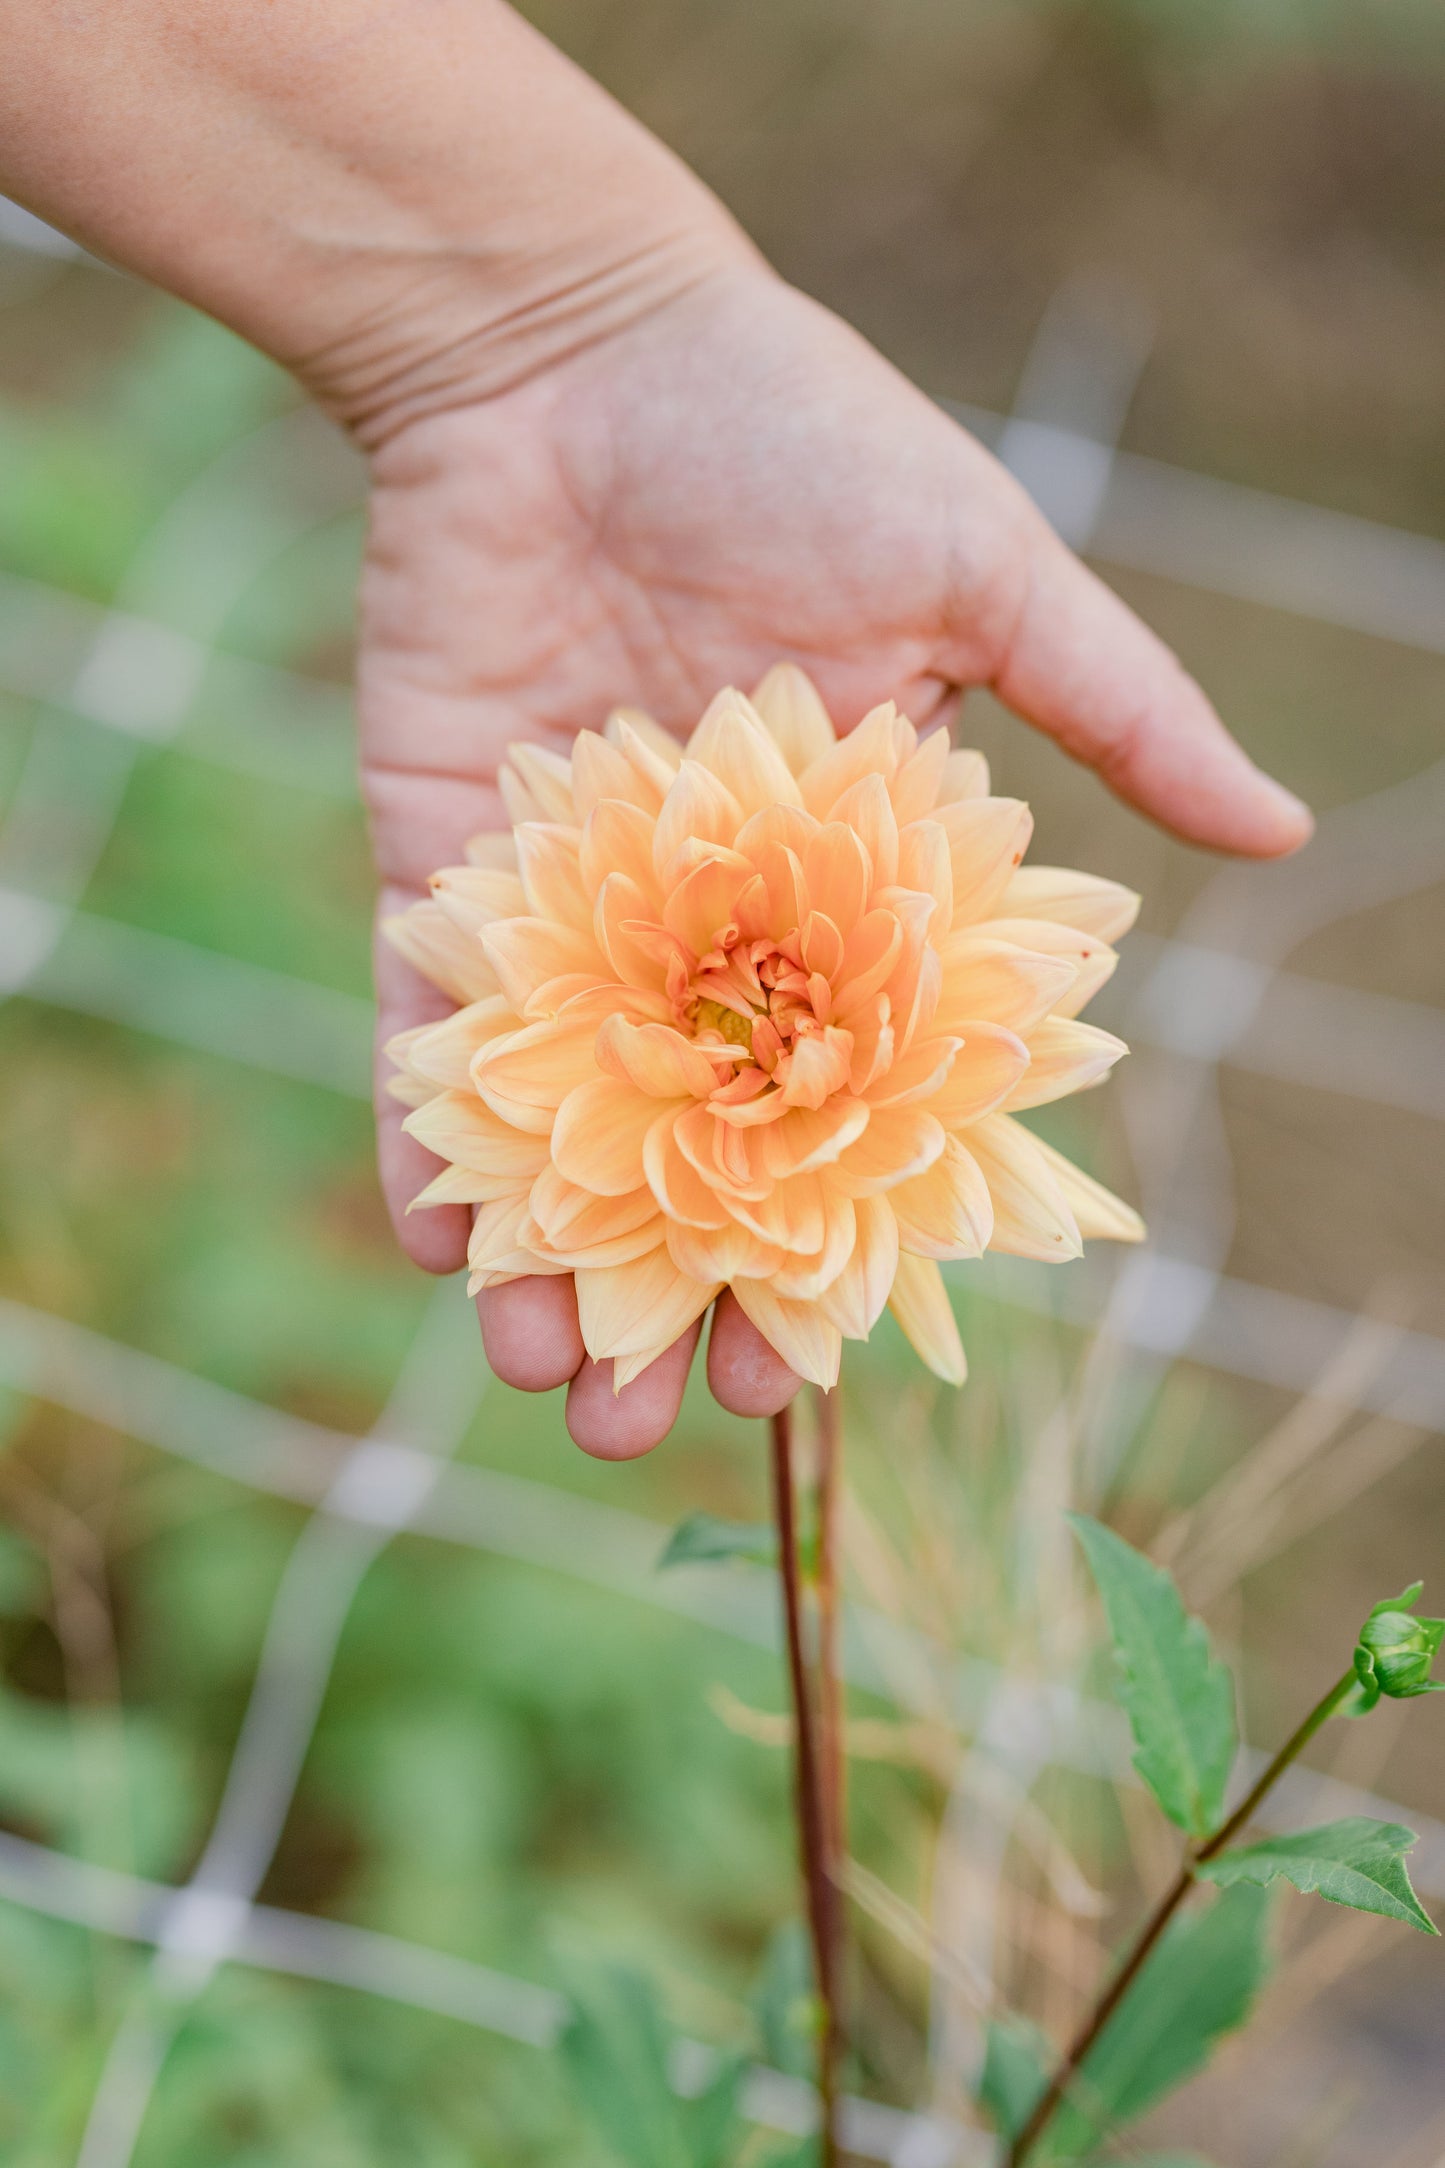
[(1356, 1862), (1178, 1699), (702, 1537), (1199, 1984)]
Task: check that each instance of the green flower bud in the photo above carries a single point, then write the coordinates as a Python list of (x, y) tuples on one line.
[(1396, 1651)]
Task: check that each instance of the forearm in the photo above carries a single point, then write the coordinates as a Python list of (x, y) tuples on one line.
[(401, 200)]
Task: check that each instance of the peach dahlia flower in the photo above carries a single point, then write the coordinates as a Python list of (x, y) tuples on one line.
[(758, 1013)]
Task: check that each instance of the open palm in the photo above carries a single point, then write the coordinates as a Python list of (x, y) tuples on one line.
[(736, 479)]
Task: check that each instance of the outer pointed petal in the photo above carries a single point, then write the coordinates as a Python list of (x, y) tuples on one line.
[(457, 1126), (792, 708), (494, 848), (995, 981), (1064, 1057), (871, 749), (838, 873), (443, 1052), (987, 838), (526, 1075), (697, 808), (548, 778), (551, 876), (920, 1303), (599, 1134), (965, 775), (1031, 1213), (476, 896), (525, 953), (916, 786), (868, 810), (441, 952), (1095, 906), (642, 1305), (807, 1340), (806, 1137), (462, 1185), (498, 1233), (925, 864), (734, 742), (722, 1253), (675, 1182), (634, 728), (617, 838), (898, 1142), (1101, 1216), (1094, 961), (946, 1213), (804, 1279), (992, 1065), (600, 771), (857, 1298)]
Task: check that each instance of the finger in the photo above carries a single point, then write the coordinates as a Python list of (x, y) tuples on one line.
[(436, 1237), (1080, 665), (530, 1331), (746, 1375), (619, 1426)]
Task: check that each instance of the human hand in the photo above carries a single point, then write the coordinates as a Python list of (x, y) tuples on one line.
[(733, 478)]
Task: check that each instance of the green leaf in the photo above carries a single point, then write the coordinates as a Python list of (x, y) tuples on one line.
[(1358, 1863), (1016, 2063), (621, 2056), (703, 1537), (1179, 1701), (1199, 1984)]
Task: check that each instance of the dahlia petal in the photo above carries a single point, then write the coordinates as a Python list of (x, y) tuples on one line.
[(551, 876), (839, 874), (868, 810), (965, 775), (987, 838), (870, 956), (793, 1214), (496, 1232), (719, 1154), (441, 952), (697, 808), (1093, 960), (443, 1052), (792, 709), (706, 900), (1095, 906), (548, 777), (798, 1331), (600, 772), (617, 838), (787, 826), (598, 1136), (918, 1074), (656, 1059), (946, 1213), (475, 896), (778, 903), (925, 863), (722, 1253), (805, 1138), (995, 980), (1063, 1057), (816, 1067), (919, 1301), (803, 1279), (1031, 1212), (459, 1127), (647, 1303), (898, 1142), (620, 910), (915, 788), (991, 1065), (871, 749), (527, 952), (674, 1181), (821, 945), (856, 1299), (734, 742), (408, 1090), (1101, 1216), (494, 848), (518, 800), (634, 728), (525, 1075), (574, 1254), (463, 1185)]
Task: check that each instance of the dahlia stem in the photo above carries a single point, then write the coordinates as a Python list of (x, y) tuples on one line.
[(1149, 1934), (831, 1734), (819, 1890)]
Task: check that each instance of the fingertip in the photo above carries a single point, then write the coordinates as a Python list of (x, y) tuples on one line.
[(747, 1376), (530, 1332), (623, 1425)]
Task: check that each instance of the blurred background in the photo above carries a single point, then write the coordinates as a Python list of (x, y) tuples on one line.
[(342, 1701)]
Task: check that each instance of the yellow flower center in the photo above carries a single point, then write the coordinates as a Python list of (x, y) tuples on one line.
[(713, 1016)]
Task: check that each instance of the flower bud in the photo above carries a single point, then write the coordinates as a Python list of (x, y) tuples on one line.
[(1396, 1651)]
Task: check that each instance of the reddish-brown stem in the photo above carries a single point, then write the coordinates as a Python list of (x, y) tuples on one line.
[(820, 1892), (831, 1736)]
